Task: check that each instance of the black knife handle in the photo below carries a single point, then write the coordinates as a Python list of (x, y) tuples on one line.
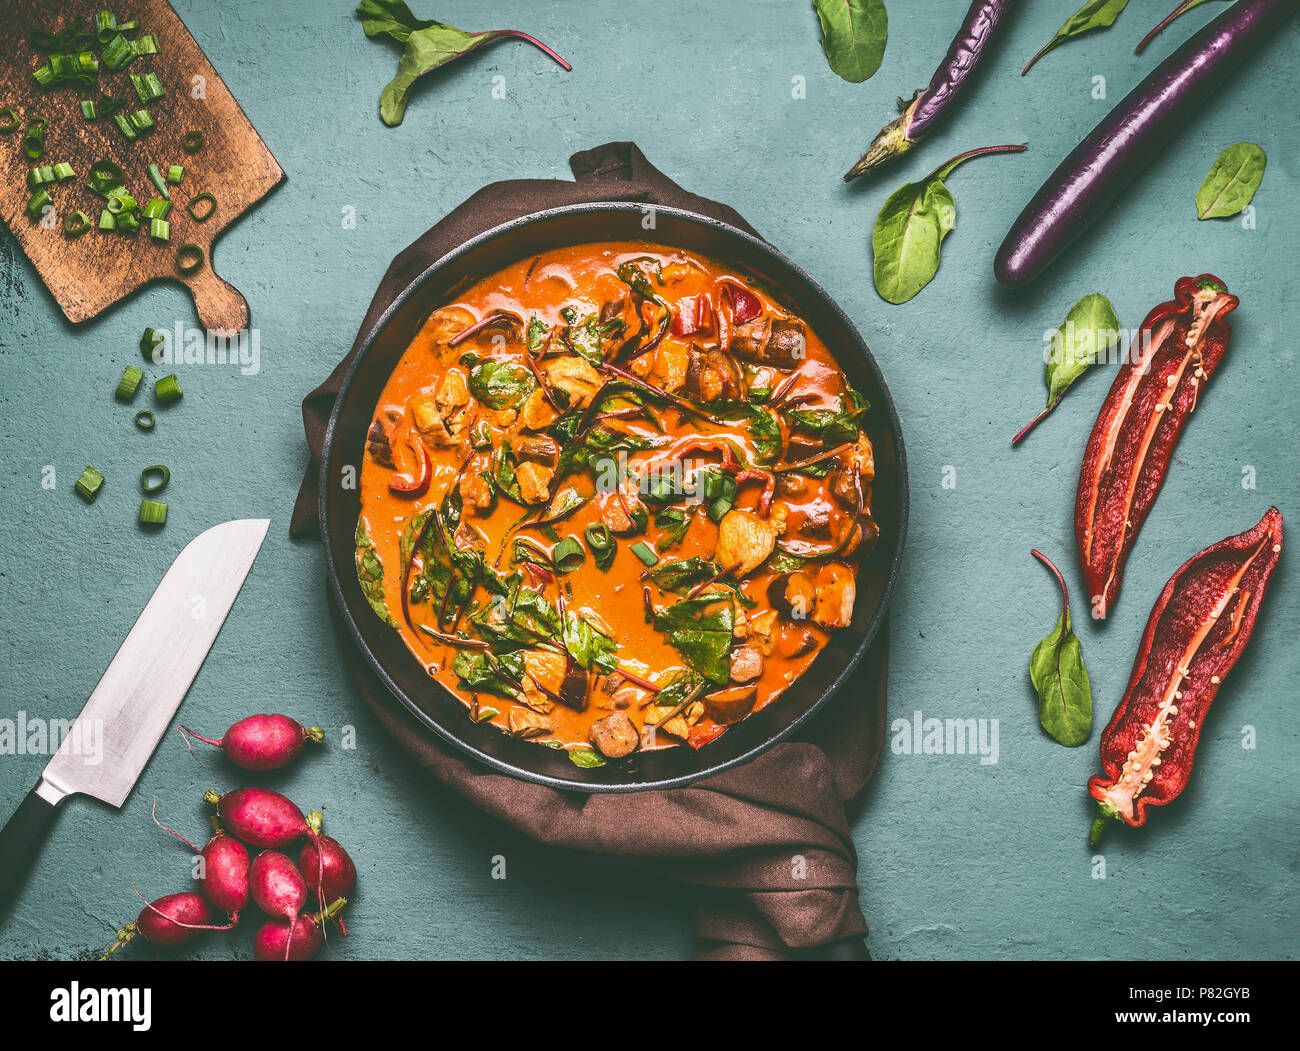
[(20, 842)]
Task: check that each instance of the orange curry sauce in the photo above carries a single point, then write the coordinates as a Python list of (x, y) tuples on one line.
[(501, 424)]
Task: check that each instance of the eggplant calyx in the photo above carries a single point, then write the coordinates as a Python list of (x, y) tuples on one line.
[(892, 141)]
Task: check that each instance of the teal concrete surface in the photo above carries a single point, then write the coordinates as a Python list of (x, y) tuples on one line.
[(959, 859)]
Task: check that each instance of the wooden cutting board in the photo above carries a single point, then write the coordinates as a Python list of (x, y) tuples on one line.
[(89, 273)]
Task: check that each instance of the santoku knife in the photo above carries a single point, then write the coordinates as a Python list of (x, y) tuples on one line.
[(139, 693)]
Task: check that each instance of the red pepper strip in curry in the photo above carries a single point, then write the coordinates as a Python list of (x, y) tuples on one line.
[(1180, 344), (1197, 630)]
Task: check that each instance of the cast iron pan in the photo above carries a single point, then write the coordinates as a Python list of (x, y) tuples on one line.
[(403, 675)]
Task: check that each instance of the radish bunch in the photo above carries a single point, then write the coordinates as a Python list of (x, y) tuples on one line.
[(299, 897)]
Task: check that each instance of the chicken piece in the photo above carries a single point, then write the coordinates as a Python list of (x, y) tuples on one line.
[(730, 705), (469, 537), (527, 725), (679, 725), (745, 538), (614, 736), (671, 363), (476, 493), (575, 377), (864, 538), (443, 325), (429, 420), (537, 412), (614, 516), (746, 664), (547, 669), (453, 393), (794, 594), (836, 592), (840, 477), (740, 626), (534, 482), (761, 627), (627, 697)]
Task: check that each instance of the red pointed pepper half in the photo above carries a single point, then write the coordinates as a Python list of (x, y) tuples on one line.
[(1178, 349), (1197, 630)]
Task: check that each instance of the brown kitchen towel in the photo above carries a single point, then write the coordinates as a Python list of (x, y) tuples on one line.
[(767, 843)]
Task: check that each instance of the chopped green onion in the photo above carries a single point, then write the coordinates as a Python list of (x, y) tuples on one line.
[(142, 122), (156, 178), (145, 45), (105, 178), (157, 208), (88, 109), (189, 257), (63, 68), (129, 383), (167, 389), (105, 26), (63, 171), (645, 553), (144, 419), (107, 220), (602, 543), (147, 87), (34, 138), (117, 53), (88, 485), (36, 203), (153, 512), (204, 198), (151, 339), (108, 105), (193, 141), (164, 477), (122, 202), (175, 173), (124, 126), (76, 223), (160, 230), (10, 121), (128, 222), (40, 175), (480, 437), (568, 555)]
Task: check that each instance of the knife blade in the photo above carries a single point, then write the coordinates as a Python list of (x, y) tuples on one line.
[(119, 727)]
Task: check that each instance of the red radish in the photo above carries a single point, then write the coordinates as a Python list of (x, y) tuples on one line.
[(261, 742), (276, 885), (279, 940), (224, 882), (262, 818), (171, 920), (338, 875)]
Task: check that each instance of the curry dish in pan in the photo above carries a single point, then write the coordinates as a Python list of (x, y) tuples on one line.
[(614, 498)]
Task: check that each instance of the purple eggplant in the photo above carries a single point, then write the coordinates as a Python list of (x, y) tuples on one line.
[(964, 53), (1131, 136)]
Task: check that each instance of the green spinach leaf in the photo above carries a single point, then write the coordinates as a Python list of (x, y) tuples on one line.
[(700, 629), (521, 617), (854, 33), (500, 384), (589, 647), (429, 45), (587, 758), (1231, 182), (499, 674), (1089, 331), (370, 575), (910, 228), (1058, 673), (1095, 14)]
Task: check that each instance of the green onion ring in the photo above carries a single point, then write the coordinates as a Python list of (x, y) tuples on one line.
[(189, 257), (10, 122), (76, 223), (144, 419), (165, 476), (204, 197), (153, 512), (568, 555), (193, 141)]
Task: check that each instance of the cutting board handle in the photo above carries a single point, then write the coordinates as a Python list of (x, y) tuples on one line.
[(221, 306)]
